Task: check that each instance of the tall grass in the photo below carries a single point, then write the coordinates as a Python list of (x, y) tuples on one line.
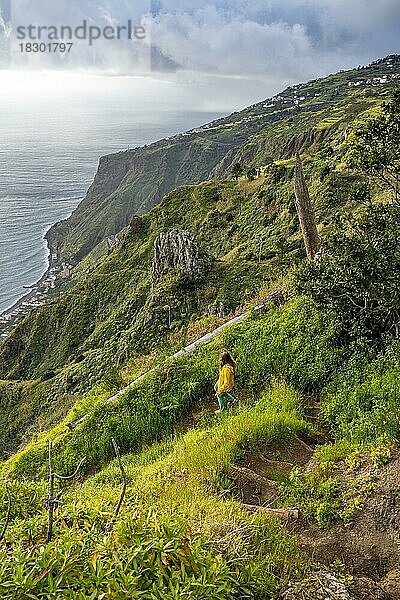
[(296, 343), (193, 543), (362, 404)]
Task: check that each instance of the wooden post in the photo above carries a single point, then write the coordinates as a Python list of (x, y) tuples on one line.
[(53, 501), (50, 499), (6, 522), (124, 486), (279, 513), (305, 211)]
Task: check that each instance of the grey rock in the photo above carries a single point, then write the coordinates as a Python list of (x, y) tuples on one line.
[(177, 251)]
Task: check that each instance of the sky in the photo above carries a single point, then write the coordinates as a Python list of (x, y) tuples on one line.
[(237, 49)]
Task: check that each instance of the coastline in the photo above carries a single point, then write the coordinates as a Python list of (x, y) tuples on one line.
[(38, 294), (28, 295), (34, 287)]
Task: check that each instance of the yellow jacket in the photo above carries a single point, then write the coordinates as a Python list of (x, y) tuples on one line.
[(226, 379)]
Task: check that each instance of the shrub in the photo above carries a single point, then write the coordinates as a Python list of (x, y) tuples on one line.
[(363, 403), (358, 275), (149, 557), (297, 342)]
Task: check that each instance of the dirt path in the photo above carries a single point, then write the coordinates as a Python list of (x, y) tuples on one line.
[(276, 298), (368, 547), (258, 475)]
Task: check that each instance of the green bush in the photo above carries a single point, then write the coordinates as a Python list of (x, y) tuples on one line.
[(358, 275), (297, 342), (363, 403), (148, 557)]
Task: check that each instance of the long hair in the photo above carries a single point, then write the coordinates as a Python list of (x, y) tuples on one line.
[(226, 359)]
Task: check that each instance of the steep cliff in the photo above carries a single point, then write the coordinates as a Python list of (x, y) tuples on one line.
[(131, 183), (301, 118), (125, 304)]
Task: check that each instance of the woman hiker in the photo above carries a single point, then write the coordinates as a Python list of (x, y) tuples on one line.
[(226, 381)]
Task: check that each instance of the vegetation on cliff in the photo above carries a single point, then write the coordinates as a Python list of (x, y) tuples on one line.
[(302, 118), (317, 426)]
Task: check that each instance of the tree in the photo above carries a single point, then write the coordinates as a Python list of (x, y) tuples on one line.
[(237, 170), (305, 212), (252, 173), (374, 148), (358, 275)]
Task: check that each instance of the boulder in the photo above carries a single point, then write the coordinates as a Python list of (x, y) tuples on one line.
[(178, 252)]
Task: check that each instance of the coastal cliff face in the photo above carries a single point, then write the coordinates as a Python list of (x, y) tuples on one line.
[(110, 173), (114, 310), (301, 118), (131, 183)]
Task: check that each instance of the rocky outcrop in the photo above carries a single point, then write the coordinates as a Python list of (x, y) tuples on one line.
[(177, 251)]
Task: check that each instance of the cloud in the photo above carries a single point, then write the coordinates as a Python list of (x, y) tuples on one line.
[(268, 40), (207, 41), (298, 37), (107, 55), (5, 25), (5, 34)]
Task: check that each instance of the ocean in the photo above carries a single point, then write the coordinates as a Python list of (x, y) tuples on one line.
[(48, 158)]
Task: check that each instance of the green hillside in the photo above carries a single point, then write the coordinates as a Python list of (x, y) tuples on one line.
[(197, 540), (114, 314), (299, 118), (293, 491), (248, 229)]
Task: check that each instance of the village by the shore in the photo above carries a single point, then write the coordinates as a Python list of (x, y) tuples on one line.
[(40, 294), (43, 291)]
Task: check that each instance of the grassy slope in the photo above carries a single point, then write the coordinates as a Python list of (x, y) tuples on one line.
[(194, 543), (99, 323), (278, 344), (195, 534), (249, 228), (184, 480)]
